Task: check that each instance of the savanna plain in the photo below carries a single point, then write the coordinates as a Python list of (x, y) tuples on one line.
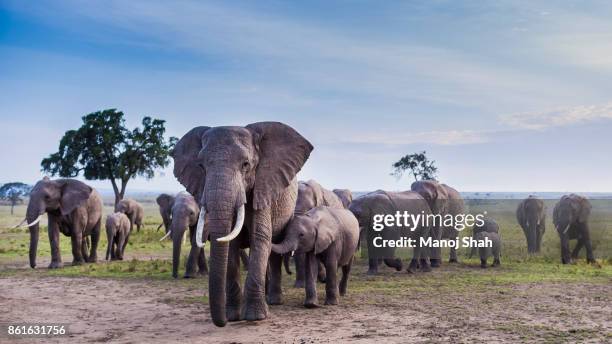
[(526, 299)]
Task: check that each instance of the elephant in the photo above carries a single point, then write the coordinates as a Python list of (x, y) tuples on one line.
[(165, 203), (117, 233), (133, 210), (247, 173), (325, 233), (531, 216), (571, 219), (488, 225), (74, 209), (184, 214), (485, 252), (382, 202), (310, 195), (345, 195), (443, 200)]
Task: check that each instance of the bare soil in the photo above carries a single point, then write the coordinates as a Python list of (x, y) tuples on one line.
[(152, 311)]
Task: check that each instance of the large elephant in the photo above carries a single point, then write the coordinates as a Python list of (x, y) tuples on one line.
[(133, 210), (242, 176), (571, 219), (442, 200), (382, 202), (184, 214), (311, 195), (165, 203), (74, 209), (531, 216)]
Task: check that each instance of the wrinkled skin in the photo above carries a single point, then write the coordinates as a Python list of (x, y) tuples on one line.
[(531, 216), (117, 234), (571, 219), (253, 168), (184, 213), (165, 203), (443, 200), (310, 195), (489, 226), (133, 210), (486, 252), (387, 202), (345, 195), (73, 209), (327, 234)]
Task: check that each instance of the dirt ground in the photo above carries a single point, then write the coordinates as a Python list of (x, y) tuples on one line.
[(139, 311)]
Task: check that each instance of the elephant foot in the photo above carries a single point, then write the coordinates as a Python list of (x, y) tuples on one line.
[(275, 299), (77, 262), (189, 276), (413, 267), (496, 262), (298, 284), (372, 272), (452, 260), (203, 273), (175, 276), (55, 265), (321, 278), (435, 263), (255, 310), (331, 301), (92, 259), (233, 313), (425, 268), (311, 304)]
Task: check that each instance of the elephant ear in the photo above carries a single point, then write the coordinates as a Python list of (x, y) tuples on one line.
[(74, 194), (282, 153), (325, 236), (165, 201), (186, 168), (584, 209), (317, 192), (520, 213)]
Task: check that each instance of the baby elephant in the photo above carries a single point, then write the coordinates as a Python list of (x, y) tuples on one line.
[(328, 234), (117, 233), (485, 252)]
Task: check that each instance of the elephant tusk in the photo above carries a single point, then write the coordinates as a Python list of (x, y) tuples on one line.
[(292, 253), (184, 237), (237, 227), (527, 224), (20, 223), (200, 228), (566, 228), (35, 221), (165, 236)]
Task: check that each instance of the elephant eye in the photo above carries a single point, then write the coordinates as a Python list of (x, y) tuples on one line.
[(201, 166), (301, 235), (245, 165)]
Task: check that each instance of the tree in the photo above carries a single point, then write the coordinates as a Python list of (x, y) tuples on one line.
[(13, 192), (104, 149), (418, 165)]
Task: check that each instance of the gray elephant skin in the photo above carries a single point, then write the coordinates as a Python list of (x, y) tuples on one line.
[(571, 219), (247, 174), (73, 209), (443, 200), (531, 216), (133, 210), (493, 251), (345, 195), (165, 203), (310, 195), (117, 234), (327, 234), (387, 202), (488, 225)]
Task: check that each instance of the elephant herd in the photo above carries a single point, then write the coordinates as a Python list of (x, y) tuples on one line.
[(242, 192)]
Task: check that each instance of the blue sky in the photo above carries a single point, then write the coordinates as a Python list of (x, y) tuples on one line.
[(504, 95)]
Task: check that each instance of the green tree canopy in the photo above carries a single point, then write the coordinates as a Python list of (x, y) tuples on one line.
[(13, 192), (417, 164), (104, 149)]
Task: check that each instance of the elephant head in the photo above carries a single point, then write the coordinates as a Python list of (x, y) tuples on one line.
[(125, 206), (227, 169), (56, 197), (530, 215), (434, 193), (165, 203), (185, 214), (345, 195), (307, 232), (571, 209), (310, 195)]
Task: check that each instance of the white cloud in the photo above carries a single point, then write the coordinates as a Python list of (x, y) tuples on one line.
[(559, 117), (443, 138)]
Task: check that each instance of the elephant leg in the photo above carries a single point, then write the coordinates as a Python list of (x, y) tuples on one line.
[(322, 273), (56, 258), (120, 244), (310, 265), (436, 252), (586, 238), (125, 242), (577, 248), (77, 241), (483, 263), (232, 288), (194, 252), (245, 259), (346, 270), (394, 263), (85, 249), (274, 292), (95, 240), (331, 282), (565, 251), (373, 266), (259, 253), (453, 250), (300, 271), (202, 266), (539, 238)]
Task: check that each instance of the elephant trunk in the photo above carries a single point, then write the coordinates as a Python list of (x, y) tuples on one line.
[(286, 246), (178, 231), (33, 215), (532, 236), (223, 198), (110, 236)]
